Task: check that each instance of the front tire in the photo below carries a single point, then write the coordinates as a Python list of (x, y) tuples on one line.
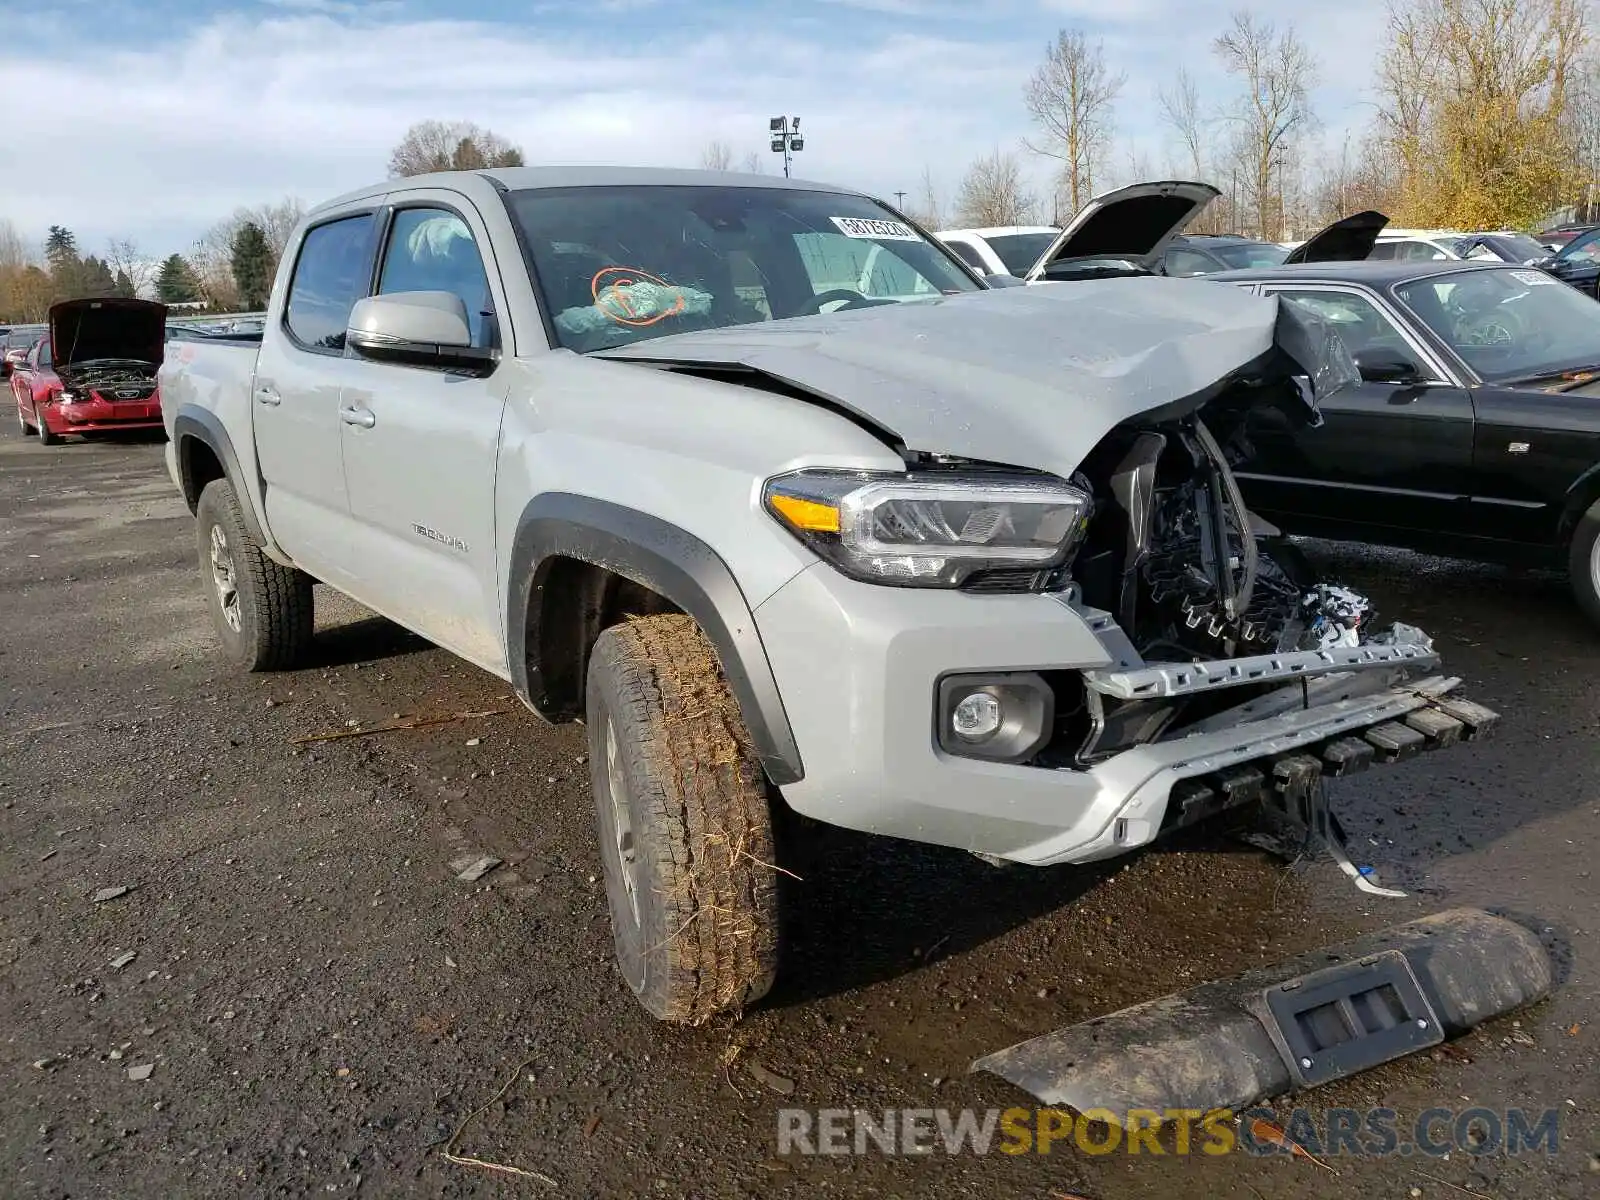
[(22, 423), (263, 612), (46, 438), (1583, 563), (685, 823)]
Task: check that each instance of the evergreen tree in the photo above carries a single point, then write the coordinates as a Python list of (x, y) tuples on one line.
[(61, 254), (95, 278), (175, 284), (125, 284), (252, 266)]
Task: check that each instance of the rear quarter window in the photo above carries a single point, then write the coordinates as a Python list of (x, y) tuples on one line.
[(332, 272)]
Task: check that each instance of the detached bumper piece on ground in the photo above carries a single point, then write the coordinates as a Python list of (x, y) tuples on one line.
[(1312, 1019)]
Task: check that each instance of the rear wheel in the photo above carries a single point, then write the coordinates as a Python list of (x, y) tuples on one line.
[(46, 438), (685, 822), (1583, 563), (263, 611)]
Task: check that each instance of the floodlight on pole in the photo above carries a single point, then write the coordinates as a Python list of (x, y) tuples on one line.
[(786, 139)]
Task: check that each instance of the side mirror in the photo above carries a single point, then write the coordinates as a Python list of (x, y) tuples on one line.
[(1000, 279), (423, 329), (1380, 365)]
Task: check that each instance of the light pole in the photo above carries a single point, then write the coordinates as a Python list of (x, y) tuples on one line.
[(900, 201), (786, 139)]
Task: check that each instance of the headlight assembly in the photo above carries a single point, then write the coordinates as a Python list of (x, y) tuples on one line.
[(930, 530)]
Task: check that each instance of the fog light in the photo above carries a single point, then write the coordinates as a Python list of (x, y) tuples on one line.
[(976, 717), (1003, 716)]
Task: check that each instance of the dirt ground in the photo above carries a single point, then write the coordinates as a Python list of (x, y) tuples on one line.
[(323, 1003)]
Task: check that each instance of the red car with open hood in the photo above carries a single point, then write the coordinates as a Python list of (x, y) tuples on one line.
[(95, 371)]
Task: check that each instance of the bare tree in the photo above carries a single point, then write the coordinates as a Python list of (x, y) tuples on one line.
[(123, 257), (451, 146), (1072, 97), (1277, 70), (753, 163), (211, 257), (13, 251), (992, 192), (1186, 115), (1183, 112), (717, 156), (926, 210)]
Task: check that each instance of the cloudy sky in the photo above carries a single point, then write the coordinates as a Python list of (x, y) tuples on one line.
[(153, 118)]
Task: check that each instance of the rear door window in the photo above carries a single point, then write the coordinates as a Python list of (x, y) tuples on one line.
[(333, 271)]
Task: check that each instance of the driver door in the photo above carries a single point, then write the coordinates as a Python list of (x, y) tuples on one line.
[(1390, 455)]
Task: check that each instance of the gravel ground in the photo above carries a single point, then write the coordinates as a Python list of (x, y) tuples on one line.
[(321, 1003)]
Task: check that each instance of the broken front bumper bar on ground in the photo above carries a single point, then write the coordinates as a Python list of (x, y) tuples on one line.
[(1318, 1017)]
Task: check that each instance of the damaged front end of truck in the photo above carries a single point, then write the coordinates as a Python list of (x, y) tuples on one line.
[(1215, 623)]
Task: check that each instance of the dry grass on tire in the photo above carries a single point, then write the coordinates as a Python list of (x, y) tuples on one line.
[(720, 885)]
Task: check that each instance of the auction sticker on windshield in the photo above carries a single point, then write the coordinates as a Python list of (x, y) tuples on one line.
[(862, 227), (1533, 278)]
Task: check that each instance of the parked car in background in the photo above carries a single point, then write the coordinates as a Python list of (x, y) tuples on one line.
[(1416, 245), (1559, 235), (15, 344), (1508, 246), (1000, 250), (95, 372), (1578, 263), (1475, 430), (1205, 253), (964, 567), (1135, 230)]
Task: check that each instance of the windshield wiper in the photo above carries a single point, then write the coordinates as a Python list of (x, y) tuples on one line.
[(1584, 375)]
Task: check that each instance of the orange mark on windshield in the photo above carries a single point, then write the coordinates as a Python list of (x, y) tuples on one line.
[(621, 278)]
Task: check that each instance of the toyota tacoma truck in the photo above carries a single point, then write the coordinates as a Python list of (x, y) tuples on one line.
[(962, 565)]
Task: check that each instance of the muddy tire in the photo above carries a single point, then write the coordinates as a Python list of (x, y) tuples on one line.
[(46, 438), (685, 823), (263, 612), (1583, 563)]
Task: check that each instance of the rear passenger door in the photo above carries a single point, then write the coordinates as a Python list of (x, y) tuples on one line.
[(1387, 455), (295, 395), (420, 444)]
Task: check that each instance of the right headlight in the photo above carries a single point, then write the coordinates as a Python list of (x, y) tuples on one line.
[(932, 529)]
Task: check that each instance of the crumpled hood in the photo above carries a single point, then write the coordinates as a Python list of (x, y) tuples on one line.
[(1027, 377)]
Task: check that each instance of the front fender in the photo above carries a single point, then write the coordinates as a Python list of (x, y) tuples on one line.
[(670, 562)]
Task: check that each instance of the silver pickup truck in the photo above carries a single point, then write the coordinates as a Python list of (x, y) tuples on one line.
[(958, 563)]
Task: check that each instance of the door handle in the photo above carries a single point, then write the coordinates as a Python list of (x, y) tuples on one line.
[(355, 414), (268, 395)]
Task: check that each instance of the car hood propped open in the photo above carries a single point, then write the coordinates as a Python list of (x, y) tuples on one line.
[(1349, 239), (107, 327), (1134, 223), (1028, 377)]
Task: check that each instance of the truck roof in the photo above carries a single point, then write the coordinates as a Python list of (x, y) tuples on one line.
[(519, 178)]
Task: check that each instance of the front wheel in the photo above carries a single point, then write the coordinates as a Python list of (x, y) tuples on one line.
[(685, 822), (22, 422), (1583, 563), (46, 438), (263, 611)]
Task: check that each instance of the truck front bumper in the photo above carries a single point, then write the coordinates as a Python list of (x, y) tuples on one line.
[(859, 666)]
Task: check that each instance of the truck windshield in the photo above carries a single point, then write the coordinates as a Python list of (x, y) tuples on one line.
[(618, 264)]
